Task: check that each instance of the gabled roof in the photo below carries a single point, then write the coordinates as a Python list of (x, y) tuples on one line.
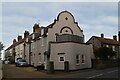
[(107, 40)]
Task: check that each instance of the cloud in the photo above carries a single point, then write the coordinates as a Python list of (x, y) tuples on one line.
[(60, 1), (93, 18)]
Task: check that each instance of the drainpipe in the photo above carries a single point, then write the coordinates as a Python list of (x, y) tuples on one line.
[(30, 53), (24, 51), (48, 56)]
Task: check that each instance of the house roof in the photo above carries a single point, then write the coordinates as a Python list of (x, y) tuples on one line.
[(107, 40), (16, 43)]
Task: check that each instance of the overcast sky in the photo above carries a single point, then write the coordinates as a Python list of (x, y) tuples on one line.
[(93, 18)]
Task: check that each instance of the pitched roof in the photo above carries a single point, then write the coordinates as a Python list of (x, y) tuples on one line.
[(16, 43), (107, 40)]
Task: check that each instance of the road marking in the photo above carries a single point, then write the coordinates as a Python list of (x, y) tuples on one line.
[(112, 71), (95, 76), (101, 74)]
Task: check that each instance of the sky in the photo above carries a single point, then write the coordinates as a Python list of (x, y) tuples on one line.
[(93, 18)]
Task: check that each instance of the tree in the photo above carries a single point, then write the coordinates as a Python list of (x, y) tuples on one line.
[(1, 46), (105, 53)]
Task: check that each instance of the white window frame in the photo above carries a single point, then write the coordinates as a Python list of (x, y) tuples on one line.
[(113, 48), (39, 54), (78, 59), (42, 31), (63, 58), (107, 46), (83, 58), (44, 58), (42, 41)]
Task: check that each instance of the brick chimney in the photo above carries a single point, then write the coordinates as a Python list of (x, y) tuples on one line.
[(115, 37), (119, 36), (26, 33), (19, 38), (102, 35), (36, 28), (14, 41)]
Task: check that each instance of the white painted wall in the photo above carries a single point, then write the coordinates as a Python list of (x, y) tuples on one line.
[(71, 50)]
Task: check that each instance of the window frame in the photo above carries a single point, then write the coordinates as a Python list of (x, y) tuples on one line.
[(83, 59), (78, 59), (62, 55)]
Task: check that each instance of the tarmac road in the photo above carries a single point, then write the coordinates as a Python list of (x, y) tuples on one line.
[(11, 71)]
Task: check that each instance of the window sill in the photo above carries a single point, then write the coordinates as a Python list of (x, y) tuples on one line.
[(83, 63), (77, 64)]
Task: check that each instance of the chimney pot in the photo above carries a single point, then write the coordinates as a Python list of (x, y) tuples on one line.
[(102, 35), (14, 41), (36, 28), (115, 37), (19, 38), (119, 36), (26, 33)]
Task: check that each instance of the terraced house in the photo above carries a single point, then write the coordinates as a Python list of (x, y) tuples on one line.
[(61, 41), (114, 44), (16, 50)]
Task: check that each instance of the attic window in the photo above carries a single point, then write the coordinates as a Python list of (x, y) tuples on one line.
[(66, 30), (66, 18)]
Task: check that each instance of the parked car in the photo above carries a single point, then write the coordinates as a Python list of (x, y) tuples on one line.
[(6, 62), (21, 62)]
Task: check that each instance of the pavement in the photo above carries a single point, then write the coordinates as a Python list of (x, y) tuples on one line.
[(1, 75)]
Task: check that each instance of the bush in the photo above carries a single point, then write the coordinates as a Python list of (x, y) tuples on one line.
[(100, 66)]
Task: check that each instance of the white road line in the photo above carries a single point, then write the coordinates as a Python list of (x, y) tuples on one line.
[(112, 71), (95, 76), (101, 74)]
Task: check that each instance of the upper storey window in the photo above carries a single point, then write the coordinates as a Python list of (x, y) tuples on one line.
[(66, 30)]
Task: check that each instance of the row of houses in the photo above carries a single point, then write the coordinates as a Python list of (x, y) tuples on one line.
[(60, 42)]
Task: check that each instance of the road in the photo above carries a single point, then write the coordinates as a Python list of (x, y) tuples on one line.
[(105, 73), (11, 71)]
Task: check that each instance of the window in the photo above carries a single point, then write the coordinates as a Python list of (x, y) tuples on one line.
[(83, 58), (107, 45), (39, 57), (77, 59), (62, 59), (33, 46), (44, 57), (42, 41), (113, 48), (42, 32)]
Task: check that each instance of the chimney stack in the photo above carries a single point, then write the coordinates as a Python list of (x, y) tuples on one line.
[(36, 28), (14, 41), (115, 37), (119, 36), (19, 38), (102, 35), (26, 33)]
